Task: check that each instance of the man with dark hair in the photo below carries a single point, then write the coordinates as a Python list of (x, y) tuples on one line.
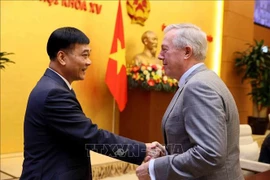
[(57, 134)]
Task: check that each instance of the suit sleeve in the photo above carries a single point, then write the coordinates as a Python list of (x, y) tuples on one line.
[(205, 123), (65, 117)]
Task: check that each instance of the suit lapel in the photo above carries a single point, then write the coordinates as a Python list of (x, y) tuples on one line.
[(61, 82), (175, 97), (171, 105), (56, 77), (168, 111), (73, 92)]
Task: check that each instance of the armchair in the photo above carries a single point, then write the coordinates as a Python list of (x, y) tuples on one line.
[(249, 152)]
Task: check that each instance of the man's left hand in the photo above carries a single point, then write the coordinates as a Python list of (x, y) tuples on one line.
[(142, 171)]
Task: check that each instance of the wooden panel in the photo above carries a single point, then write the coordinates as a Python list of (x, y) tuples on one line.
[(237, 26), (241, 98), (231, 76), (244, 8), (259, 176), (243, 115), (262, 33), (231, 45), (237, 31), (141, 119)]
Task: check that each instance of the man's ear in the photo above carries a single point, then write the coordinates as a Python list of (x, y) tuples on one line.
[(61, 57), (188, 52), (145, 40)]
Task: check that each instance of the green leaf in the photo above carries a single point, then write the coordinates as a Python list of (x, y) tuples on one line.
[(254, 64)]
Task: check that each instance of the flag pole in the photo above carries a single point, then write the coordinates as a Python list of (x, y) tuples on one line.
[(113, 119), (116, 69)]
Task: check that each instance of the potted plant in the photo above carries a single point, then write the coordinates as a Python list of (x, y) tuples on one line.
[(254, 63), (4, 60)]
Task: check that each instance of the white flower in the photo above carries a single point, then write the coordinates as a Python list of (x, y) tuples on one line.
[(159, 72), (145, 72), (165, 78), (147, 76), (159, 66)]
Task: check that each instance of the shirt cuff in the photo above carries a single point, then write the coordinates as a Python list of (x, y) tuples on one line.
[(151, 169)]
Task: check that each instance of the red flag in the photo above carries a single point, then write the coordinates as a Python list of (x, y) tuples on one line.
[(116, 78)]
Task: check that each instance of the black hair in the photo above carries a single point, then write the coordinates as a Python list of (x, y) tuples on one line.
[(65, 38)]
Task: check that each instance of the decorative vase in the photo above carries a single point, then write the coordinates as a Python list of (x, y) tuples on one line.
[(258, 125)]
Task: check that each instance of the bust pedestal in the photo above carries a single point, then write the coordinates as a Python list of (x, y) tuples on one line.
[(141, 119)]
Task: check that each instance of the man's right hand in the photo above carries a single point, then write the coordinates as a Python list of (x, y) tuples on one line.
[(154, 150)]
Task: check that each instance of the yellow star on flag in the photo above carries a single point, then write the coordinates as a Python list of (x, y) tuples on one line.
[(119, 56)]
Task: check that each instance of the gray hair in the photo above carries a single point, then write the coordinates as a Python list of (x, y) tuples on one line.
[(189, 35)]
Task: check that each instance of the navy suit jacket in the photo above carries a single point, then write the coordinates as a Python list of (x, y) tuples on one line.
[(265, 150), (58, 135)]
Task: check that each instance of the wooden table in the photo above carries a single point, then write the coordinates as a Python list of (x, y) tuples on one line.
[(260, 176)]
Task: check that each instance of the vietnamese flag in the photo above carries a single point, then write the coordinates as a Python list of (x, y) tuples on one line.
[(116, 78)]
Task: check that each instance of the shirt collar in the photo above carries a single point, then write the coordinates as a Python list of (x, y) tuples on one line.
[(69, 85), (187, 73)]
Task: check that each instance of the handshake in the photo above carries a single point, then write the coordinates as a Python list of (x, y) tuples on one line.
[(153, 150)]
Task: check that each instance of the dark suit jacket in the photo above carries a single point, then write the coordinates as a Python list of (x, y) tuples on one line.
[(58, 136), (265, 150)]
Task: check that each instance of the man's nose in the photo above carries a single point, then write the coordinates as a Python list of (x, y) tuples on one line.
[(160, 57), (88, 62)]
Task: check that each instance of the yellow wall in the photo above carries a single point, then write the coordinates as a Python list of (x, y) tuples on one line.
[(26, 26)]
